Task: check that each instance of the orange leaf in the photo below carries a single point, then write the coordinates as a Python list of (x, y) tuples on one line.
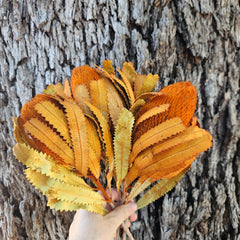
[(155, 135), (50, 138), (79, 135)]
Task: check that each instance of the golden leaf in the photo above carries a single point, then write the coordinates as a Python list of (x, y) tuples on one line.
[(148, 84), (41, 162), (79, 135), (115, 102), (129, 71), (55, 117), (107, 66), (50, 139), (99, 96), (159, 189), (122, 144), (94, 149)]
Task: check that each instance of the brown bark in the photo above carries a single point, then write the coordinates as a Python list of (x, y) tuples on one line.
[(195, 40)]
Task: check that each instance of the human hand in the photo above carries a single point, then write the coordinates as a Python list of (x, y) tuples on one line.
[(91, 226)]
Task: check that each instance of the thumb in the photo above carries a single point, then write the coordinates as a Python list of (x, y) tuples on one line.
[(120, 214)]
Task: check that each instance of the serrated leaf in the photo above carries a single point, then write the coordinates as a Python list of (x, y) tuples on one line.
[(55, 117), (79, 135), (129, 71), (55, 90), (155, 135), (138, 84), (60, 205), (138, 187), (169, 162), (190, 133), (99, 96), (136, 106), (160, 189), (71, 193), (107, 66), (115, 103), (50, 139), (153, 111), (39, 180), (81, 92), (122, 144), (129, 90), (41, 162), (182, 98), (94, 149), (107, 138), (83, 75), (148, 84)]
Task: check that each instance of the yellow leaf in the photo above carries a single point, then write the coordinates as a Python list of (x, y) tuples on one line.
[(107, 66), (138, 187), (39, 180), (50, 138), (129, 71), (136, 106), (148, 84), (55, 117), (66, 192), (159, 189), (122, 144), (79, 135), (60, 205), (44, 163)]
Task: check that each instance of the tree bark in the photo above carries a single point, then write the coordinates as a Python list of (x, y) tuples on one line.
[(41, 41)]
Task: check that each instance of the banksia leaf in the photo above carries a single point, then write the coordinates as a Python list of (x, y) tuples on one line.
[(155, 135), (148, 84), (55, 117), (129, 90), (99, 96), (115, 102), (107, 66), (79, 136), (46, 165), (50, 139), (122, 144), (160, 189), (129, 72), (94, 149)]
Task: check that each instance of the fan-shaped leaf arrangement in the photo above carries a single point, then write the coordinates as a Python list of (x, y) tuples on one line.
[(106, 132)]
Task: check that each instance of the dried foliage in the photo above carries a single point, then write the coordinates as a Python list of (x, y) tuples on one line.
[(106, 132)]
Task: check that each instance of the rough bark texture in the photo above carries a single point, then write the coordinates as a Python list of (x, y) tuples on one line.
[(196, 40)]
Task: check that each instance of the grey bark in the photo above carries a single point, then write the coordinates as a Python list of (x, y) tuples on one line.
[(41, 41)]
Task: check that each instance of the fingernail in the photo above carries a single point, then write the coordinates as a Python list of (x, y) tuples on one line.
[(132, 206)]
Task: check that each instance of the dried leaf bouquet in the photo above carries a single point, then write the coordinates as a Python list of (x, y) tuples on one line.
[(100, 131)]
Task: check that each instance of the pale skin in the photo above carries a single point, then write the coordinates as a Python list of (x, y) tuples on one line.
[(92, 226)]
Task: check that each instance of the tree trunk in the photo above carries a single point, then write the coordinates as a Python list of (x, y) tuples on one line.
[(41, 41)]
